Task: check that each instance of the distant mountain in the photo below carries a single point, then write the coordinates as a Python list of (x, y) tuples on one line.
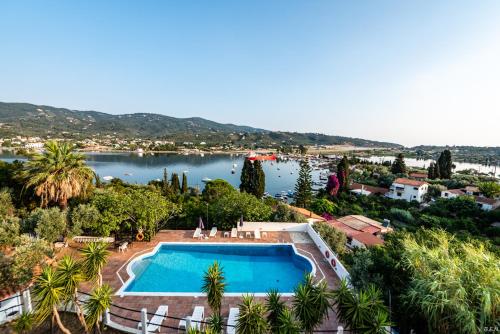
[(34, 120)]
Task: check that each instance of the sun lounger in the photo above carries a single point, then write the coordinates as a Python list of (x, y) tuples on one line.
[(231, 320), (154, 324), (197, 233), (213, 232), (248, 234), (234, 232), (196, 318), (257, 234)]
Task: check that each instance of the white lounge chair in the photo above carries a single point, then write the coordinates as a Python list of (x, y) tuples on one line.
[(123, 247), (155, 322), (213, 232), (234, 232), (257, 234), (197, 233), (234, 312), (196, 318)]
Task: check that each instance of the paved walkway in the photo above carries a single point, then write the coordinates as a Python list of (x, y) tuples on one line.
[(183, 306)]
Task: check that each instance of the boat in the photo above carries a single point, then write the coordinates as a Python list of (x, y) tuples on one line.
[(206, 179), (233, 171), (107, 178), (127, 174), (235, 165)]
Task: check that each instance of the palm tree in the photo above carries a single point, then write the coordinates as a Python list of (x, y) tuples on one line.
[(98, 302), (287, 323), (70, 275), (23, 324), (274, 307), (94, 258), (58, 174), (311, 303), (49, 293), (251, 319), (214, 286)]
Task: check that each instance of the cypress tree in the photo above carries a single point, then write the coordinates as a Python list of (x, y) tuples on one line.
[(431, 171), (399, 166), (184, 188), (303, 192), (343, 174), (175, 184), (253, 179), (165, 184), (445, 164)]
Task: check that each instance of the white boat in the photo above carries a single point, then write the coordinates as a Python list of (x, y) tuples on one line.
[(107, 178), (235, 165), (206, 179), (233, 171)]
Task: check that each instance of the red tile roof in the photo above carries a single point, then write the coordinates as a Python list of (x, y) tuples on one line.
[(368, 239), (456, 191), (485, 200), (409, 182), (306, 213)]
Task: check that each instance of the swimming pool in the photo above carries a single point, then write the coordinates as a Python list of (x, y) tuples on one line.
[(176, 269)]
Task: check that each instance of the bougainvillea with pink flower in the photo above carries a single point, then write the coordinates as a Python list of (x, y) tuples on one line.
[(332, 187)]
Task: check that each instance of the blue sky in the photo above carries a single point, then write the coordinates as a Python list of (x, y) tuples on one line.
[(411, 72)]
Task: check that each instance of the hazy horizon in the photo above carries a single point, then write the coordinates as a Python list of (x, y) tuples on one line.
[(423, 73)]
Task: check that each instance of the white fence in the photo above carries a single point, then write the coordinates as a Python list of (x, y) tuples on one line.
[(13, 306), (272, 226), (332, 258)]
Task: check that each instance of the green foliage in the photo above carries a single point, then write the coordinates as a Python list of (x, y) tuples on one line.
[(490, 189), (251, 319), (274, 307), (335, 239), (86, 217), (49, 224), (227, 210), (24, 323), (94, 256), (184, 188), (175, 184), (399, 166), (311, 303), (287, 323), (214, 286), (402, 215), (323, 205), (6, 206), (283, 213), (96, 305), (9, 231), (215, 323), (361, 310), (343, 171), (17, 268), (253, 179), (444, 165), (216, 189), (303, 191), (58, 174)]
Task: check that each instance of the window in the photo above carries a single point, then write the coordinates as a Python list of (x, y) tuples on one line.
[(399, 194), (445, 194), (415, 188)]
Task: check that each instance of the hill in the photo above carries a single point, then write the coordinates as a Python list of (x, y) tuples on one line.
[(33, 120)]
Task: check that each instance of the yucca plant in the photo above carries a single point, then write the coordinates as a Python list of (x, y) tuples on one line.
[(70, 275), (215, 323), (94, 258), (98, 302), (251, 319), (23, 324), (214, 286), (287, 323), (49, 293), (274, 307), (311, 303)]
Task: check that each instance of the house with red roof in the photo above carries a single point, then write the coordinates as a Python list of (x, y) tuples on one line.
[(361, 231), (408, 189)]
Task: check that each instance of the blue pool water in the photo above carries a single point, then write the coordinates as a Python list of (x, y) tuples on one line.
[(179, 268)]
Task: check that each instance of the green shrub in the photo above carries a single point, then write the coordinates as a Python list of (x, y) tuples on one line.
[(335, 239)]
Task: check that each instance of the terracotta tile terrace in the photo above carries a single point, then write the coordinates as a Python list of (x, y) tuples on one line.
[(183, 306)]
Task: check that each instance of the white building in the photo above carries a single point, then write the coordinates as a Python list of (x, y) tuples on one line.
[(487, 204), (409, 190), (36, 145), (452, 193)]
